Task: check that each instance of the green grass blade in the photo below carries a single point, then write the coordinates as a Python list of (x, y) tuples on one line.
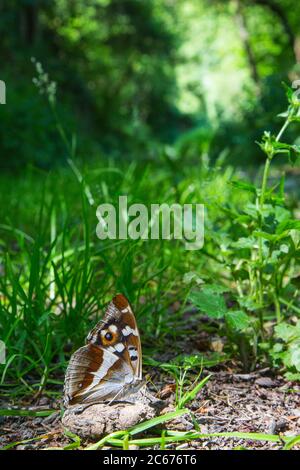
[(189, 396), (113, 437), (291, 442), (156, 421), (174, 436), (16, 443), (102, 441), (76, 441)]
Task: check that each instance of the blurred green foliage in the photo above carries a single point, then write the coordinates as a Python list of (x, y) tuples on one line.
[(132, 75)]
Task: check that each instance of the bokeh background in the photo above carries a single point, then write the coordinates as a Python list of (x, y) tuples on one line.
[(135, 78)]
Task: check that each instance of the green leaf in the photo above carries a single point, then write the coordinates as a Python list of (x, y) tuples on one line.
[(284, 248), (251, 210), (295, 355), (210, 301), (245, 242), (237, 320), (192, 278), (266, 236), (290, 224), (244, 185), (287, 332), (271, 146), (292, 376), (25, 441), (289, 92), (177, 436), (294, 153)]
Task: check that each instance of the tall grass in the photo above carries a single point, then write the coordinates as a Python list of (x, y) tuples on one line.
[(56, 275)]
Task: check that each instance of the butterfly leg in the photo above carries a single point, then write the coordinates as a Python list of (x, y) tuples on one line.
[(81, 408)]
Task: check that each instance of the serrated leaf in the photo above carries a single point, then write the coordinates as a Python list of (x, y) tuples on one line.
[(237, 319), (287, 332), (210, 302)]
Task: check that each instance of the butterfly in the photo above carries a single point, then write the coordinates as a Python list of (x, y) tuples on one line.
[(110, 364)]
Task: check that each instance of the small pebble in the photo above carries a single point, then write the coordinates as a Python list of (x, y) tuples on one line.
[(265, 382)]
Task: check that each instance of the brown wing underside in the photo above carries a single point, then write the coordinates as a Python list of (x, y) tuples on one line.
[(111, 358), (119, 315)]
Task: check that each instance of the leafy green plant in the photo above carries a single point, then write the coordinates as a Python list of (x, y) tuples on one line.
[(238, 325), (268, 251), (286, 349), (183, 368), (259, 249)]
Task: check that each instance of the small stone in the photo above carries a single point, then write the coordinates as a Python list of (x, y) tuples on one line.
[(183, 446), (265, 382), (277, 426)]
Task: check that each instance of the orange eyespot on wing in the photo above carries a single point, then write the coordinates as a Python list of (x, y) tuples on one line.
[(109, 336)]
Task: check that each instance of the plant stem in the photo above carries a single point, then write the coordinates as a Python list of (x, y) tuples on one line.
[(277, 308), (264, 186), (264, 183), (282, 130), (267, 166)]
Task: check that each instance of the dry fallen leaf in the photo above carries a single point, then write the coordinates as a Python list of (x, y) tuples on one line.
[(167, 391), (202, 410), (217, 345)]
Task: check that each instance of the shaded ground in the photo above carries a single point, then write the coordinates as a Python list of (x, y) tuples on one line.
[(247, 403), (229, 402)]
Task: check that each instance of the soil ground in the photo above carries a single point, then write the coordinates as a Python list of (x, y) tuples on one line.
[(256, 402)]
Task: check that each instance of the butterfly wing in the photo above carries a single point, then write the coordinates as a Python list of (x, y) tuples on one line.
[(120, 313), (95, 374), (110, 361)]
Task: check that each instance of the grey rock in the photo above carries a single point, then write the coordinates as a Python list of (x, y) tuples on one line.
[(94, 421), (266, 382)]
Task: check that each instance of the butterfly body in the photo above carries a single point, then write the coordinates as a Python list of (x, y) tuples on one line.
[(110, 364)]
